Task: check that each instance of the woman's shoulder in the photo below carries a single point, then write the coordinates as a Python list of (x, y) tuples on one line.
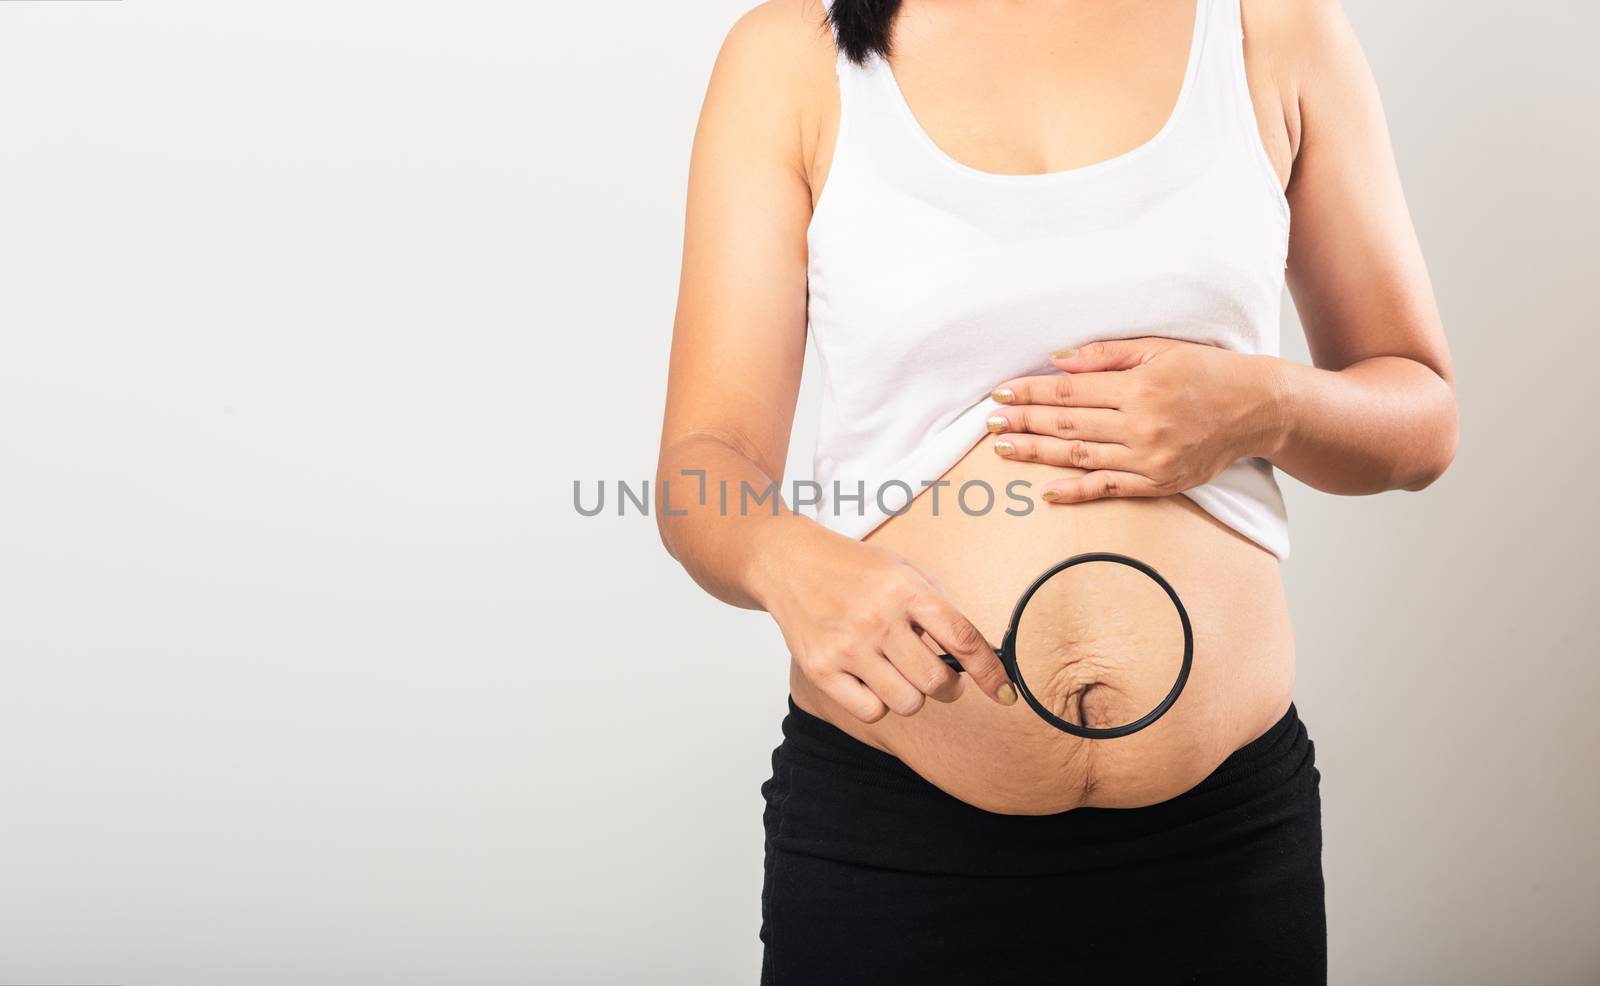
[(1298, 47), (778, 64), (1297, 28), (780, 45)]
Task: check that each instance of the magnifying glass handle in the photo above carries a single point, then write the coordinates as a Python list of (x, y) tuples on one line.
[(955, 665)]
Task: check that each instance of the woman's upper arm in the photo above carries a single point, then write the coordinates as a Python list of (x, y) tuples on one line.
[(739, 335), (1355, 267)]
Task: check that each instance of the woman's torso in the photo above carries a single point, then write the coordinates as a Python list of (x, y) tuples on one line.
[(1008, 759), (1115, 86)]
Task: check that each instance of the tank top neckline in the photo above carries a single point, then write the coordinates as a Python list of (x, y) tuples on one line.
[(908, 117)]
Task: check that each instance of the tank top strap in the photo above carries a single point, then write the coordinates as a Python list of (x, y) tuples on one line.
[(1225, 107), (875, 132), (841, 61), (1222, 65), (1226, 19)]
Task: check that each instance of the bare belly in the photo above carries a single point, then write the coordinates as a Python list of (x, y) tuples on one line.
[(1008, 759)]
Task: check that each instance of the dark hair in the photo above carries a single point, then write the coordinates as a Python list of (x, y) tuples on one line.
[(862, 26)]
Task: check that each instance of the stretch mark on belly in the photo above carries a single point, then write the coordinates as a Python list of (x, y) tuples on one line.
[(1100, 645)]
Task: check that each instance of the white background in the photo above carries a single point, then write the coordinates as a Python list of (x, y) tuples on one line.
[(312, 312)]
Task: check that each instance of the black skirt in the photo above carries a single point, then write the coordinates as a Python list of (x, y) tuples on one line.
[(873, 875)]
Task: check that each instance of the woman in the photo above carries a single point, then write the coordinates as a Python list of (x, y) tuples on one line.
[(1040, 246)]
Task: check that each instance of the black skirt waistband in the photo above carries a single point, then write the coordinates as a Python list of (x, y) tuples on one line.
[(838, 798)]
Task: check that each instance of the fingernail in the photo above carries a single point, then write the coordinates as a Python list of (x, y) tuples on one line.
[(1007, 694), (1004, 448), (1051, 495), (1004, 395), (997, 424), (1064, 354)]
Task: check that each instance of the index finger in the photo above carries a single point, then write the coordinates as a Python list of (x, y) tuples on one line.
[(936, 617), (1095, 389)]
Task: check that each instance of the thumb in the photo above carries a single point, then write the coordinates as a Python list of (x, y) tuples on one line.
[(1112, 354)]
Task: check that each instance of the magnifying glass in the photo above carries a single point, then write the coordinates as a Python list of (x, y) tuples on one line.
[(1081, 646)]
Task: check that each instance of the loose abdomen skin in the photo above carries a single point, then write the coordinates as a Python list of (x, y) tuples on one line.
[(1007, 759)]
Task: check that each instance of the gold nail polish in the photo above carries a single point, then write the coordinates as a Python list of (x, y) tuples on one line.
[(1004, 395), (1064, 354), (1005, 448), (997, 424), (1008, 694), (1051, 495)]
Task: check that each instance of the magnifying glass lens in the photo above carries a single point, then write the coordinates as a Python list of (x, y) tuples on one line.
[(1099, 644)]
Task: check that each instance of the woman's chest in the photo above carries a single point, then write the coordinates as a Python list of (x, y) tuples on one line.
[(901, 278)]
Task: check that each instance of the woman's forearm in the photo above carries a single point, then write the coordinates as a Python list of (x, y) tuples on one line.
[(725, 542), (1383, 423)]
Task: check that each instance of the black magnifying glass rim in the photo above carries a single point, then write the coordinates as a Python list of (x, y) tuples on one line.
[(1008, 652)]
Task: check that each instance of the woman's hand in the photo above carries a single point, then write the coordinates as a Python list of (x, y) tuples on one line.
[(853, 616), (1142, 417)]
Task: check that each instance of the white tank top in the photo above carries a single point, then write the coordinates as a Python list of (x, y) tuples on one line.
[(930, 282)]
